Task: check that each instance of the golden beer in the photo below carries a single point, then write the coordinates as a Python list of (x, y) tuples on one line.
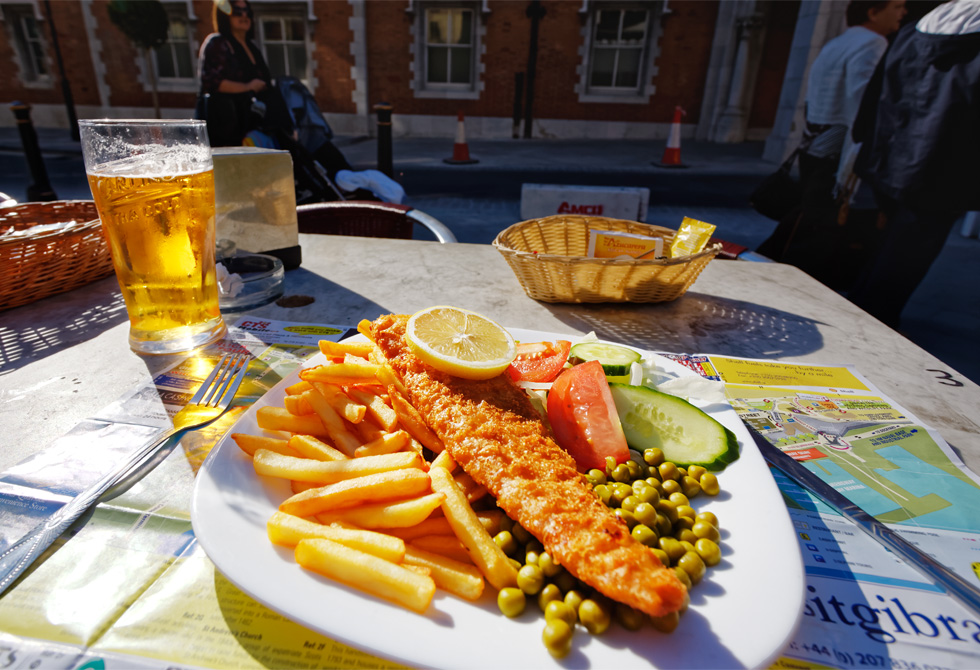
[(160, 231)]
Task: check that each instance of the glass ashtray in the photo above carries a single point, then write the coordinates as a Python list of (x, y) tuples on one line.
[(249, 281)]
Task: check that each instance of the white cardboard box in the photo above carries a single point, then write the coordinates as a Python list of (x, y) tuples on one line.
[(615, 202)]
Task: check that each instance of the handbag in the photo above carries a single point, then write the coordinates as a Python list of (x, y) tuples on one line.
[(779, 193)]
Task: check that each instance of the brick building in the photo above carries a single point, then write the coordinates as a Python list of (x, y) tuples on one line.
[(554, 68)]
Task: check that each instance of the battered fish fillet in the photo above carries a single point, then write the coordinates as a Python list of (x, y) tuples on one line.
[(493, 432)]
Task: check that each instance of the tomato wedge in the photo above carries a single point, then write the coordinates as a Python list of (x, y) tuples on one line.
[(539, 361), (584, 419)]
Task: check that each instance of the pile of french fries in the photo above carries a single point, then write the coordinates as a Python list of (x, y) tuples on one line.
[(377, 502)]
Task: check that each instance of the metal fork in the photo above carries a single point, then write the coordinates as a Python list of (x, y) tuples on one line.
[(211, 400)]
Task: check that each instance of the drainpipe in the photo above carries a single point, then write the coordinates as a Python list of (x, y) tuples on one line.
[(535, 12), (65, 85)]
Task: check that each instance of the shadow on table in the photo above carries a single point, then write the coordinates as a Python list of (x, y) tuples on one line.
[(699, 323), (36, 330), (331, 303)]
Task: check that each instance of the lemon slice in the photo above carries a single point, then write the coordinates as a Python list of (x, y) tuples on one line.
[(460, 342)]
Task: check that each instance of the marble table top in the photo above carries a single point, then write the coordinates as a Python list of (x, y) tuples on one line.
[(64, 358)]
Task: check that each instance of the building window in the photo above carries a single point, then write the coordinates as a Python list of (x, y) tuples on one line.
[(30, 45), (283, 40), (449, 46), (618, 47), (174, 59), (619, 51)]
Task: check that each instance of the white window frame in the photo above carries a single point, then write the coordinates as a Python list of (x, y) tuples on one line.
[(644, 90), (282, 14), (422, 87), (14, 15)]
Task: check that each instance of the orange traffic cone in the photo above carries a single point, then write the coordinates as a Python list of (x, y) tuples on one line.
[(672, 154), (461, 151)]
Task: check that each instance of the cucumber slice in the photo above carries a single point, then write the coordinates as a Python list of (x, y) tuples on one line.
[(686, 435), (614, 359)]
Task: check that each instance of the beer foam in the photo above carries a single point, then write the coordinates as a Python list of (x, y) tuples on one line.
[(153, 160)]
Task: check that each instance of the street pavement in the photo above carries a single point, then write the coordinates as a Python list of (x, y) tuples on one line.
[(479, 200)]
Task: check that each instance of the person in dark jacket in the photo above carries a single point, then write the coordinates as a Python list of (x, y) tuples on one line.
[(237, 81), (919, 125)]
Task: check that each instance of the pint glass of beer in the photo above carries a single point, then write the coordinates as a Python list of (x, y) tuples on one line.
[(153, 185)]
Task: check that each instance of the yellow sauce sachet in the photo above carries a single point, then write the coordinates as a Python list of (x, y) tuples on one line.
[(691, 238)]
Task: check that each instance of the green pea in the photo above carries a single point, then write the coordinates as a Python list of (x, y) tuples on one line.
[(704, 529), (559, 609), (662, 556), (690, 486), (574, 598), (595, 616), (668, 509), (629, 503), (595, 476), (672, 547), (603, 493), (645, 492), (548, 593), (610, 464), (666, 623), (683, 576), (517, 565), (626, 517), (695, 471), (530, 579), (709, 484), (511, 601), (686, 511), (644, 535), (670, 486), (668, 471), (619, 493), (653, 456), (678, 498), (629, 618), (505, 540), (634, 469), (621, 473), (687, 544), (708, 517), (683, 522), (693, 565), (557, 638), (709, 551), (646, 514), (549, 566), (531, 556), (686, 535), (564, 580), (664, 525)]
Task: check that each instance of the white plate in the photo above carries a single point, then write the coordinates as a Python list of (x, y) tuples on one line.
[(741, 615)]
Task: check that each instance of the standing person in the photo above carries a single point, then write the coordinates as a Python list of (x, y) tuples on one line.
[(919, 126), (237, 80), (808, 237)]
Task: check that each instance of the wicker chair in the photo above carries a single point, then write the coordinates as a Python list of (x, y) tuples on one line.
[(364, 218)]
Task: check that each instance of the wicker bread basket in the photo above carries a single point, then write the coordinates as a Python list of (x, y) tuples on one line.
[(549, 257), (38, 265)]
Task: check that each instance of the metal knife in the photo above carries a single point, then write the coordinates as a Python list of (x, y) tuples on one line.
[(955, 586)]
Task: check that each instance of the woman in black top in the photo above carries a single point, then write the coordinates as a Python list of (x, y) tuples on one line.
[(234, 75)]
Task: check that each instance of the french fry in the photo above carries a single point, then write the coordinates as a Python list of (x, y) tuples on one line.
[(397, 514), (278, 418), (299, 487), (460, 579), (385, 443), (380, 487), (367, 431), (434, 525), (485, 553), (332, 349), (444, 460), (367, 573), (298, 388), (297, 404), (376, 406), (469, 487), (252, 443), (332, 422), (312, 447), (342, 374), (344, 406), (271, 464), (287, 530), (413, 422), (444, 545)]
